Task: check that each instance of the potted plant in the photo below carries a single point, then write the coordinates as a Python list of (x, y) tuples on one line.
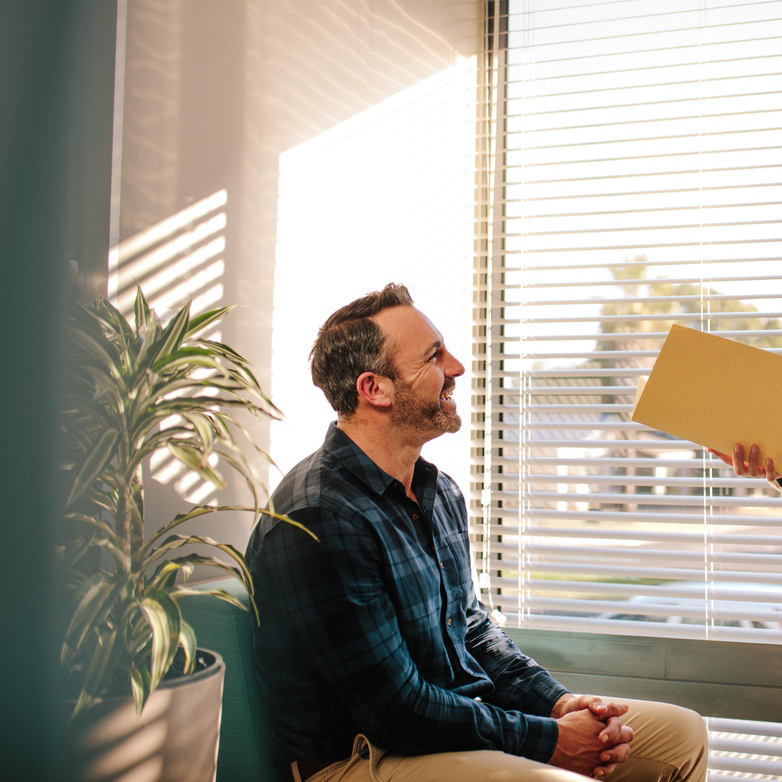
[(137, 389)]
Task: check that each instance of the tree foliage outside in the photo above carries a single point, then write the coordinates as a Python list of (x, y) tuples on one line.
[(648, 299), (653, 306)]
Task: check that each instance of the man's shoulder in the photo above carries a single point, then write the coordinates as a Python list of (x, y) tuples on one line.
[(303, 494), (321, 481), (448, 490), (446, 483), (304, 485)]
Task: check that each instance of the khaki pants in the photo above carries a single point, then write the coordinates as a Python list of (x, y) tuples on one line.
[(669, 746)]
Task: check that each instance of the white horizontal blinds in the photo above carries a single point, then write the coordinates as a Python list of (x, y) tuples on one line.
[(743, 748), (643, 187)]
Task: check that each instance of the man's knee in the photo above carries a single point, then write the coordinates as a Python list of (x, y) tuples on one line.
[(699, 741), (666, 736), (692, 725), (689, 748)]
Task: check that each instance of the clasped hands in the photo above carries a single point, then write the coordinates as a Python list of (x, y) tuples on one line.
[(592, 741)]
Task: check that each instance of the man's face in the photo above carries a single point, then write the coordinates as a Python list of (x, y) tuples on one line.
[(426, 374)]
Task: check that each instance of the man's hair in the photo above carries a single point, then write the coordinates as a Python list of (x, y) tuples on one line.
[(350, 343)]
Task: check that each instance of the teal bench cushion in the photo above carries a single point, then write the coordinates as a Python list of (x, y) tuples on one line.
[(244, 754)]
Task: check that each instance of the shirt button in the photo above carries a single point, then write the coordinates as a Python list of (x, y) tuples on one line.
[(442, 567), (448, 621), (470, 671), (415, 517)]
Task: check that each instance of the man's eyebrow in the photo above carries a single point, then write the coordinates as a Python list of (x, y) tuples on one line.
[(436, 344)]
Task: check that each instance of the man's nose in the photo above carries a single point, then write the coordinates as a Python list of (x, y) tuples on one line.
[(454, 367)]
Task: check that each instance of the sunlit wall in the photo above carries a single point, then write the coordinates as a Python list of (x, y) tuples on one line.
[(384, 196), (286, 156)]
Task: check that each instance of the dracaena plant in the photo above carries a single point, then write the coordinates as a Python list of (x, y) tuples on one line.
[(136, 389)]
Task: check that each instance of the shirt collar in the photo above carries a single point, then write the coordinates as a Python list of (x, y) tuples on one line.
[(341, 447)]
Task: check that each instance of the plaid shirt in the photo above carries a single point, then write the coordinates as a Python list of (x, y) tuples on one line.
[(376, 629)]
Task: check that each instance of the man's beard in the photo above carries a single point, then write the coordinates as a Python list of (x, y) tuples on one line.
[(427, 418)]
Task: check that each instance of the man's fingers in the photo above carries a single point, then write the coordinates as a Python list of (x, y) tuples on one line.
[(605, 710), (595, 705), (615, 733), (611, 758), (617, 709), (610, 735)]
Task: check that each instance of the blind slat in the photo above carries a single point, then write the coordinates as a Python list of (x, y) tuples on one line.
[(659, 299), (640, 571), (513, 515), (636, 265), (750, 727), (623, 627)]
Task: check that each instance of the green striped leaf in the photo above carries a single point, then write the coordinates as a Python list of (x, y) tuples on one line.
[(94, 607), (103, 663), (165, 620), (141, 309), (140, 683), (93, 465), (207, 318), (187, 640), (196, 460)]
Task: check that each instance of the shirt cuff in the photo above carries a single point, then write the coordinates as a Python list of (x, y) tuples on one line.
[(541, 741), (549, 695)]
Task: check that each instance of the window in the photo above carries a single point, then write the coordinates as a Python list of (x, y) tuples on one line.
[(639, 185), (633, 181)]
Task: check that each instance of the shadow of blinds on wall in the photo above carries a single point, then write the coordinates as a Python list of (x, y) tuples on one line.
[(634, 181)]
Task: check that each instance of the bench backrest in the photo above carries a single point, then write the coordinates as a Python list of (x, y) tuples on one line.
[(244, 734)]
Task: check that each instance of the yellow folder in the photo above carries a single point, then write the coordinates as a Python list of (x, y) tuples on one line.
[(714, 392)]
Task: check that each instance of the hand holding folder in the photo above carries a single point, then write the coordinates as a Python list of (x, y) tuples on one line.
[(751, 466), (714, 392)]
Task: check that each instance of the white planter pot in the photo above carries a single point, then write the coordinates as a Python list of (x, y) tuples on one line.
[(174, 740)]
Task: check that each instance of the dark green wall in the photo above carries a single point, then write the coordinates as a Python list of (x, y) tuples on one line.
[(56, 94)]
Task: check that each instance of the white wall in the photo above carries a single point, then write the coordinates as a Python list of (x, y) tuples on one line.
[(290, 155)]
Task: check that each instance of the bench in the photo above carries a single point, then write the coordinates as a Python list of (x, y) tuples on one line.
[(244, 754)]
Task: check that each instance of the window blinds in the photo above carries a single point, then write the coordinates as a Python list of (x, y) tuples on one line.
[(634, 181)]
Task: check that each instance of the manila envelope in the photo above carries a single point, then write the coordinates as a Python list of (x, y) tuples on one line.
[(714, 392)]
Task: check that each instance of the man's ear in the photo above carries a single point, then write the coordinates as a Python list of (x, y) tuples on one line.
[(374, 389)]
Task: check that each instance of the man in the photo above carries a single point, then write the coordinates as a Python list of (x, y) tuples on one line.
[(376, 659)]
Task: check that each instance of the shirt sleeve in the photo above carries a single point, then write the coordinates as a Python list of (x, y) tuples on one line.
[(343, 621), (520, 683)]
